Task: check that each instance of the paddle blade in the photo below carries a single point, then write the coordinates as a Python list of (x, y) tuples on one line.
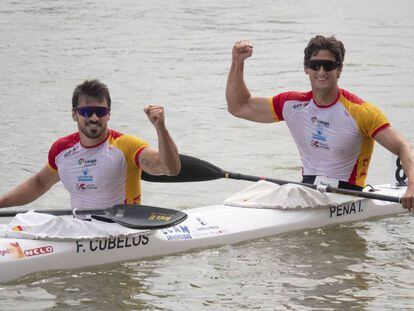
[(144, 217), (192, 169)]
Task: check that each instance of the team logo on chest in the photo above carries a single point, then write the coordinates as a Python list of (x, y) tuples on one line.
[(85, 175), (320, 129), (86, 165)]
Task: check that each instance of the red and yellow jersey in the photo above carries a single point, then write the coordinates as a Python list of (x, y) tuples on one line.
[(100, 176), (334, 141)]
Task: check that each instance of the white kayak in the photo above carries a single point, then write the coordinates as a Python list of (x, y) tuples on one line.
[(205, 227)]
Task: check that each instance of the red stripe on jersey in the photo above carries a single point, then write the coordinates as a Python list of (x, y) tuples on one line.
[(280, 99), (60, 145), (278, 106), (330, 105), (137, 156), (111, 133), (90, 147), (383, 127), (352, 178), (115, 134), (351, 97)]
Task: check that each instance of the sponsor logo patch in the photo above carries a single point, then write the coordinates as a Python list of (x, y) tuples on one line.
[(85, 175), (159, 217), (70, 151), (16, 251), (318, 144), (38, 251), (319, 122), (300, 106), (87, 163), (321, 125), (177, 233), (207, 229), (83, 186)]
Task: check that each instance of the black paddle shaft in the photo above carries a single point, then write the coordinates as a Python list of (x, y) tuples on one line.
[(193, 169), (368, 195)]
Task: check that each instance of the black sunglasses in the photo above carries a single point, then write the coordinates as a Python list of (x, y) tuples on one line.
[(316, 64), (88, 111)]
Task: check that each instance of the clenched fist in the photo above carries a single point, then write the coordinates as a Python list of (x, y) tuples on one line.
[(242, 50), (155, 114)]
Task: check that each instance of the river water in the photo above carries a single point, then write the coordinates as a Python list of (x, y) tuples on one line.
[(177, 53)]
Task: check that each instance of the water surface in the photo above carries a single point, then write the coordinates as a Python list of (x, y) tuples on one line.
[(177, 53)]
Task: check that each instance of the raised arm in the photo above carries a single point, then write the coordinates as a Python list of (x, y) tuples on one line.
[(240, 103), (394, 142), (165, 160), (30, 189)]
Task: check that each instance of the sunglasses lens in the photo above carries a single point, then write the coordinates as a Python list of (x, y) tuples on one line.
[(327, 65), (88, 112)]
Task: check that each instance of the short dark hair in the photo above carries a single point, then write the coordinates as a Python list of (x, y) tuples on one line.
[(91, 88), (319, 42)]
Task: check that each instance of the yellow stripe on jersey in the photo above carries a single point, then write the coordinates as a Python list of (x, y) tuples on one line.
[(130, 145), (272, 109), (51, 168), (368, 119)]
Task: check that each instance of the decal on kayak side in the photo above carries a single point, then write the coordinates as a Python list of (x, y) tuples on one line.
[(38, 251), (177, 233), (16, 251), (206, 229), (13, 250), (112, 243), (346, 209), (200, 228)]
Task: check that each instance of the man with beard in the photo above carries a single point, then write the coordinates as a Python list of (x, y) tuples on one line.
[(99, 167)]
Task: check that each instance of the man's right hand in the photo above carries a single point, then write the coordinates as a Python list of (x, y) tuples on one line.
[(242, 50)]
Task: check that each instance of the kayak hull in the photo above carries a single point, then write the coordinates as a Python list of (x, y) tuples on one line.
[(205, 227)]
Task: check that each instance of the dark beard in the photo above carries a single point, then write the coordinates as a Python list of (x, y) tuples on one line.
[(93, 133)]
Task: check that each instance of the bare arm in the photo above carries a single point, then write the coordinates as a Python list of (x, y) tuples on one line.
[(30, 189), (165, 160), (239, 101), (394, 142)]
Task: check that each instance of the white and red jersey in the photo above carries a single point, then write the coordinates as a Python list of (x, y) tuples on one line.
[(100, 176), (334, 141)]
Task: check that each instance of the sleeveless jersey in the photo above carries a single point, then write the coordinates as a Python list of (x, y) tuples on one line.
[(100, 176), (335, 141)]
